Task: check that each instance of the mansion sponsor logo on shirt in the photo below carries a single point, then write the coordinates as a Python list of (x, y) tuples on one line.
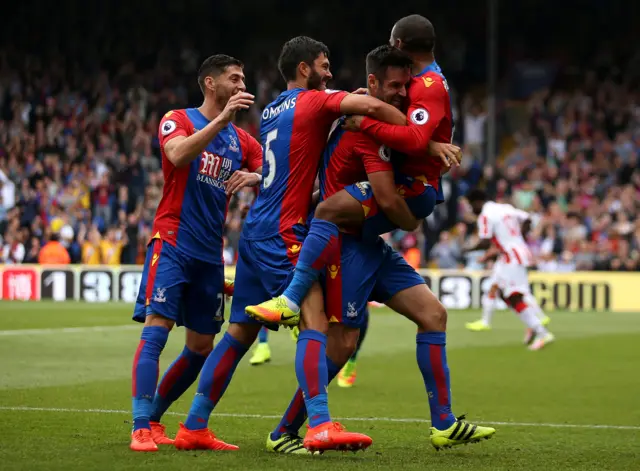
[(214, 170)]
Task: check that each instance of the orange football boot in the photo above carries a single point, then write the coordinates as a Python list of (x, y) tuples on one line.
[(141, 440), (333, 436), (203, 439), (158, 434)]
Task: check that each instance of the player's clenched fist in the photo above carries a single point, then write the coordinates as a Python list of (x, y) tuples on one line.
[(239, 101)]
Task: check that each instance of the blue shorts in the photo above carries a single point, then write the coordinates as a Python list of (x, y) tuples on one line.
[(186, 290), (420, 197), (263, 271), (358, 272)]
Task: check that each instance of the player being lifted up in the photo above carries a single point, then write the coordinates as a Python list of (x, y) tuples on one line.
[(183, 276), (500, 224), (430, 119), (294, 131), (362, 269)]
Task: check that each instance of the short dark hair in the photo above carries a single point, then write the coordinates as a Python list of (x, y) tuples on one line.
[(383, 57), (216, 65), (476, 195), (296, 50), (416, 33)]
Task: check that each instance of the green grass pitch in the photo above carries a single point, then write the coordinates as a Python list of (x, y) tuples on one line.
[(65, 395)]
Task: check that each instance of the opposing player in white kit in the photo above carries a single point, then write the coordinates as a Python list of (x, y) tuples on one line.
[(500, 224), (493, 297)]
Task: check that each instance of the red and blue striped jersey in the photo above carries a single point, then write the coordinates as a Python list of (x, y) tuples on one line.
[(193, 208), (349, 158), (430, 118), (294, 130)]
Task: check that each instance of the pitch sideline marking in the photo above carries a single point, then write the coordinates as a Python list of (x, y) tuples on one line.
[(358, 419), (68, 330)]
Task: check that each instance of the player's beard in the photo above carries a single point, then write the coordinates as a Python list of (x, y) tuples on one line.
[(398, 101), (315, 82)]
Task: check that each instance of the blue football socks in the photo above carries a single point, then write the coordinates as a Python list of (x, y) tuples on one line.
[(177, 379), (432, 361), (312, 374), (214, 379), (145, 373), (311, 261)]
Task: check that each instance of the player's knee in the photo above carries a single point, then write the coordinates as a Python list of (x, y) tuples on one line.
[(312, 309), (326, 212), (199, 343), (350, 342), (156, 320), (515, 299), (337, 210), (341, 343), (317, 321), (432, 318), (244, 333), (516, 302)]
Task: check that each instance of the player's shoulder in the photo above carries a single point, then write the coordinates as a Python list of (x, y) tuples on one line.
[(175, 114), (428, 84), (325, 92), (319, 95), (490, 208), (172, 120)]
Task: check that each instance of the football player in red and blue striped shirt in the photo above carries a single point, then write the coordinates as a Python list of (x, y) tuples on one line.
[(183, 277)]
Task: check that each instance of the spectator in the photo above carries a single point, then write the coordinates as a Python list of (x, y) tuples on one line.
[(112, 245), (53, 252), (474, 133), (13, 250), (90, 242), (447, 251), (411, 252), (33, 252), (102, 201)]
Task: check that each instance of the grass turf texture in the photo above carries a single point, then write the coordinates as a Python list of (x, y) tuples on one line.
[(74, 361)]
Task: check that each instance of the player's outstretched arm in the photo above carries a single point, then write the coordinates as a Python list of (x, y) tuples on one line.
[(181, 150), (428, 107), (370, 106), (390, 202)]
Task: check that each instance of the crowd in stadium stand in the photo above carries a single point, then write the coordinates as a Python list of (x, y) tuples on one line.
[(80, 172)]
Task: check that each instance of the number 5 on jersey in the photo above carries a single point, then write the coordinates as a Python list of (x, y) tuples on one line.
[(271, 159)]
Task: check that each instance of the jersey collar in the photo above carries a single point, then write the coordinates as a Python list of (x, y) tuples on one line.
[(433, 67)]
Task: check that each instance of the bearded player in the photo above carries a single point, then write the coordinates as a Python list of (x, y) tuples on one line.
[(183, 276)]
